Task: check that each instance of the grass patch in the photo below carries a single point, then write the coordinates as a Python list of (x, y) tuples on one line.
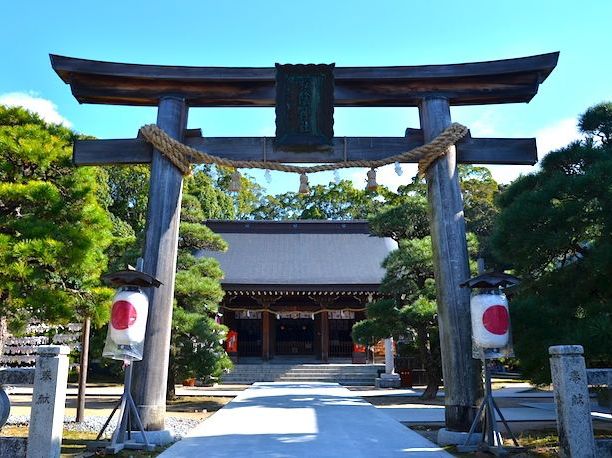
[(14, 431), (75, 443), (540, 443)]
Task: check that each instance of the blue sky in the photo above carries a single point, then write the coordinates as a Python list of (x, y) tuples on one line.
[(349, 33)]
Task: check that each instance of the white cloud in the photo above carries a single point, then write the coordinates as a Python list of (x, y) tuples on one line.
[(505, 174), (556, 136), (485, 125), (548, 139), (46, 109)]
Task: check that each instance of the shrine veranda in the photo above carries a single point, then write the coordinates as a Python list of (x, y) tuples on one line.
[(304, 97)]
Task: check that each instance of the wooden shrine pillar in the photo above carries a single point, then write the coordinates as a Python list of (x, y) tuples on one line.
[(161, 243), (265, 332), (450, 259), (324, 337)]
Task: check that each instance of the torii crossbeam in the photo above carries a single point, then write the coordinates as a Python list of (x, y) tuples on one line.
[(431, 88)]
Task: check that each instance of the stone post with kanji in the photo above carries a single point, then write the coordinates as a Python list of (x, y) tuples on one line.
[(572, 401), (48, 401)]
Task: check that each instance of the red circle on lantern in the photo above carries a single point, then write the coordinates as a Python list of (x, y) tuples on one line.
[(123, 315), (496, 319)]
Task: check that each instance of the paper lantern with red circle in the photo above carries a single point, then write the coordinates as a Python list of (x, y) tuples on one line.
[(490, 319), (129, 317)]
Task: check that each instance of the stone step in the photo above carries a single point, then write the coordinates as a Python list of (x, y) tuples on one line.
[(294, 371), (314, 369), (285, 377), (346, 374), (305, 371), (297, 379), (330, 374)]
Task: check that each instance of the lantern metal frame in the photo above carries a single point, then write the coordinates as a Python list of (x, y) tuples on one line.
[(491, 437), (128, 412)]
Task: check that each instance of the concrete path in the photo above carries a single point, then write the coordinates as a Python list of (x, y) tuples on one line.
[(514, 390), (517, 390), (301, 420), (421, 413), (597, 412)]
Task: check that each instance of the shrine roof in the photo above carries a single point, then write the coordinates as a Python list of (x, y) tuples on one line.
[(294, 255)]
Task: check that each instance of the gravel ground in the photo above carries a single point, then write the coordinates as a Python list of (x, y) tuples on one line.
[(179, 426)]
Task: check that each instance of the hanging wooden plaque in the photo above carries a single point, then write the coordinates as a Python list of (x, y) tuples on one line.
[(304, 107)]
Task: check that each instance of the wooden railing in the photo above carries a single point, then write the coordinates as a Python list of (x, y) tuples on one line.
[(297, 347), (340, 348), (249, 347)]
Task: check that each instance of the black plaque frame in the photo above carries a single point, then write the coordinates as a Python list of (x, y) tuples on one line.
[(304, 107)]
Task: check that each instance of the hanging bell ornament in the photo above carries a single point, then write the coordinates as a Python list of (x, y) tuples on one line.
[(304, 188), (235, 184), (372, 185), (398, 169)]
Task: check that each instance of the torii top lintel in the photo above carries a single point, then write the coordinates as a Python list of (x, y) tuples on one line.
[(493, 82)]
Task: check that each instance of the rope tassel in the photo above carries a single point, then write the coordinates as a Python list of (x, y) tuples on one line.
[(235, 184), (304, 188), (372, 185)]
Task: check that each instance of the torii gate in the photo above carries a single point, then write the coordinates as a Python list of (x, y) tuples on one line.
[(432, 88)]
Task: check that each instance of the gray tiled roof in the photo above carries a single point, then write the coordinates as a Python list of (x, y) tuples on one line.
[(301, 253)]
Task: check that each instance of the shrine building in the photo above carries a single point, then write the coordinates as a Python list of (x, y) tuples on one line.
[(295, 288)]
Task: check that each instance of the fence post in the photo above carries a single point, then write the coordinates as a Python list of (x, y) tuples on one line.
[(572, 401)]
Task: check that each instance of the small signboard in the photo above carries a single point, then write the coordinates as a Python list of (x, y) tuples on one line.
[(304, 107)]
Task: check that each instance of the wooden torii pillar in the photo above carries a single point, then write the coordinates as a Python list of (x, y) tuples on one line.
[(431, 88)]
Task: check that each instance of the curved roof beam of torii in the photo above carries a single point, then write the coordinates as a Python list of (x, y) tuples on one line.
[(493, 82)]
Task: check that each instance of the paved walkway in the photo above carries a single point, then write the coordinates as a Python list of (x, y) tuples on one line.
[(423, 413), (301, 420), (512, 390)]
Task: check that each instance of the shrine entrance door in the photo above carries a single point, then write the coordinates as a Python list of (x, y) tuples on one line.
[(295, 336)]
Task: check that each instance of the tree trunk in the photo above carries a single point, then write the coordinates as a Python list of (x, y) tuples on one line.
[(170, 390), (83, 366), (170, 385), (433, 384), (3, 334), (432, 368)]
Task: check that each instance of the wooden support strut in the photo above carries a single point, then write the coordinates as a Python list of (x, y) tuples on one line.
[(266, 317), (450, 259), (324, 337), (161, 245)]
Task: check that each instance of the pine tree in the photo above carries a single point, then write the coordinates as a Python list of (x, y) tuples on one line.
[(332, 201), (410, 309), (555, 230), (53, 229), (196, 349)]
